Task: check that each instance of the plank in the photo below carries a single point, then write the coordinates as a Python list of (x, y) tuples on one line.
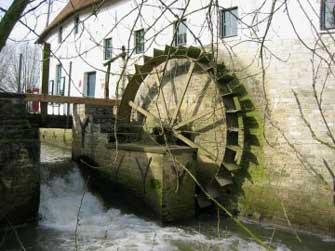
[(141, 110), (61, 99), (193, 144)]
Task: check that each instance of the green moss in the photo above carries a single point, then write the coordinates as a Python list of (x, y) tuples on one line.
[(269, 202), (155, 184)]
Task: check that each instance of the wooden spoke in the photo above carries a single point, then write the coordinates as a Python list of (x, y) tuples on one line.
[(180, 102), (209, 126), (190, 120), (193, 144), (160, 88), (141, 110)]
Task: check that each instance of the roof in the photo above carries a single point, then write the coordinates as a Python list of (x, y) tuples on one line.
[(72, 7)]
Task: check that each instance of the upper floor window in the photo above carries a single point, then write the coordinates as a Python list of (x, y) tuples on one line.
[(60, 34), (228, 22), (107, 48), (328, 14), (76, 24), (139, 41), (181, 33)]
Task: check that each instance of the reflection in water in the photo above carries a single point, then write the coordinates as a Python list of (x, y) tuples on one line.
[(111, 229)]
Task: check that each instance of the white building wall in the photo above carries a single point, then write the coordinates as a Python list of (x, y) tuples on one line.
[(85, 49), (116, 19)]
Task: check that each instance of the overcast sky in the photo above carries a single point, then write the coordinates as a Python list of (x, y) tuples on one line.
[(5, 3), (35, 20)]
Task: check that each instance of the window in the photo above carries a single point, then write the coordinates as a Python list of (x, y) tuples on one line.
[(76, 25), (59, 85), (139, 41), (107, 48), (328, 14), (90, 84), (228, 22), (181, 31), (51, 87), (60, 34)]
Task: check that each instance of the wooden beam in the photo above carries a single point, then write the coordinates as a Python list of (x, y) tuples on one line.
[(61, 99), (45, 78), (161, 92), (192, 119), (107, 81), (193, 144), (69, 87), (141, 110), (188, 80)]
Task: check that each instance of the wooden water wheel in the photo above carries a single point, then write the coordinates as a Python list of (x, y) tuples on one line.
[(181, 98)]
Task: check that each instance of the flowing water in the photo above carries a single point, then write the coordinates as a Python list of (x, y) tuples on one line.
[(101, 227)]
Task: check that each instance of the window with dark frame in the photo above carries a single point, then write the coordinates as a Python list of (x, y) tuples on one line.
[(327, 14), (181, 33), (108, 49), (60, 34), (76, 24), (139, 41), (228, 22)]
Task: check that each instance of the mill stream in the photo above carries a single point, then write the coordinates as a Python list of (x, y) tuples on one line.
[(112, 226)]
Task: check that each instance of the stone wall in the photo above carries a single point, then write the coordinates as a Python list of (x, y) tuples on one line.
[(19, 164), (288, 180), (57, 137)]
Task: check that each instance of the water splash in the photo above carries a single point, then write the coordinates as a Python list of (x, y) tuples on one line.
[(102, 229)]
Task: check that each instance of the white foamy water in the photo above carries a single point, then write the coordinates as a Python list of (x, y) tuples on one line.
[(102, 229)]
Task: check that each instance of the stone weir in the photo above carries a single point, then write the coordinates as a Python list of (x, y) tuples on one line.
[(19, 164), (133, 166)]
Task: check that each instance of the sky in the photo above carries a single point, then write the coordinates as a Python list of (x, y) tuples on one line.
[(5, 3), (35, 20)]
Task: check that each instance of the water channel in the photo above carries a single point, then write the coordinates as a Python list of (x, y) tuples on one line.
[(112, 226)]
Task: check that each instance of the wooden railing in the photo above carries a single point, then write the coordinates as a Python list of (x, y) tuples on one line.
[(49, 120)]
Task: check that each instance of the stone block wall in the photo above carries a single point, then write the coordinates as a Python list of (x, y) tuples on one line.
[(57, 137), (19, 164), (289, 181)]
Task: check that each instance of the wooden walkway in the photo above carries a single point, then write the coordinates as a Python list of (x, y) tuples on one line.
[(60, 99), (45, 120)]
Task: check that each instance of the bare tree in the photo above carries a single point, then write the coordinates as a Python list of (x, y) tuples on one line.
[(6, 56), (10, 74)]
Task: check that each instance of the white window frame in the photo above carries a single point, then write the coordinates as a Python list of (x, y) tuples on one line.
[(180, 38), (59, 81), (325, 14), (108, 51), (139, 41), (225, 15)]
